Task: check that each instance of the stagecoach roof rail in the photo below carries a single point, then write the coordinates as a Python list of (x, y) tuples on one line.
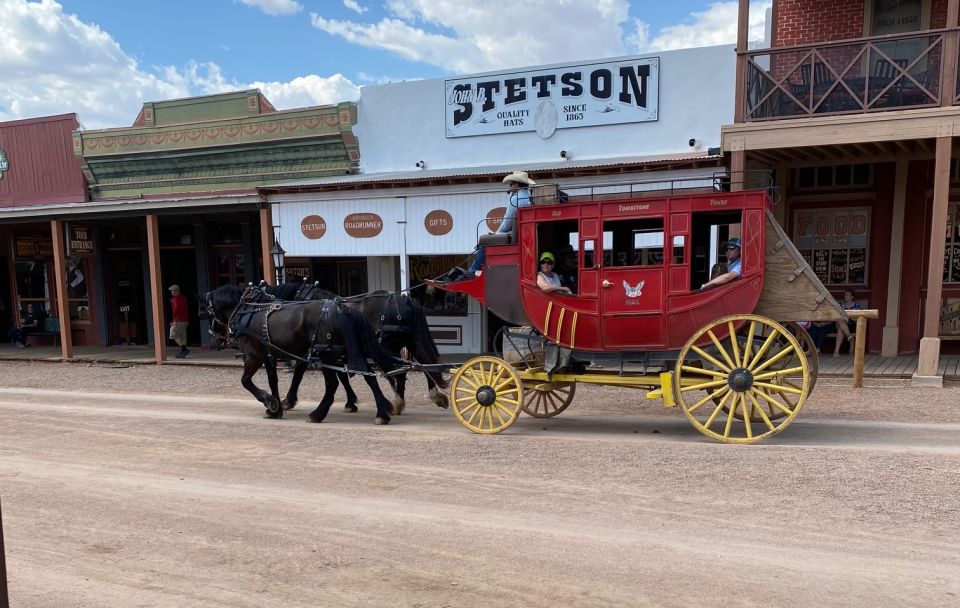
[(721, 181)]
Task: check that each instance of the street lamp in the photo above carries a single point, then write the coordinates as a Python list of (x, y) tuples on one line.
[(277, 252)]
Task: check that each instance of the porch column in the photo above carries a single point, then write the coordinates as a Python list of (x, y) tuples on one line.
[(951, 45), (156, 289), (891, 323), (738, 163), (60, 278), (929, 362), (743, 26), (266, 244)]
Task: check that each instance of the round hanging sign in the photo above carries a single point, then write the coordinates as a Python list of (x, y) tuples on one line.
[(495, 218), (313, 226), (438, 222), (363, 225)]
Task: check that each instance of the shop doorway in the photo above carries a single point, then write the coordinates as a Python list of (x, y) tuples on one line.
[(6, 302), (180, 266), (125, 310)]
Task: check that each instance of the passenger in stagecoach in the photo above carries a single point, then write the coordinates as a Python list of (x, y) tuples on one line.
[(733, 266), (547, 279), (519, 184)]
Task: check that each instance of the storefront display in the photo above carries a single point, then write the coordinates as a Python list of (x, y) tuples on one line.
[(835, 242)]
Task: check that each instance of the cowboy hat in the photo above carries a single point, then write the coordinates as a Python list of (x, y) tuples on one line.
[(173, 287), (520, 177)]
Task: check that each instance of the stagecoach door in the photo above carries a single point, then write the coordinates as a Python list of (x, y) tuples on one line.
[(631, 286)]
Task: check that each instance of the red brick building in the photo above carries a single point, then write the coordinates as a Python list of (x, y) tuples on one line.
[(854, 107)]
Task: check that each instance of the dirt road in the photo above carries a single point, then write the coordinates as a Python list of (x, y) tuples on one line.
[(117, 494)]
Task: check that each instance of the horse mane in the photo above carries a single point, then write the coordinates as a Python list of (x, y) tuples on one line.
[(225, 296), (287, 291)]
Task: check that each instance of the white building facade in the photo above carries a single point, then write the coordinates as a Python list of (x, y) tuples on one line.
[(433, 153)]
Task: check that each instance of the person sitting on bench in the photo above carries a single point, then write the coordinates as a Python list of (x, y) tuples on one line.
[(29, 322)]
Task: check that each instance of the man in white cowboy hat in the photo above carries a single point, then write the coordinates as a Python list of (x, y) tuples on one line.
[(519, 183)]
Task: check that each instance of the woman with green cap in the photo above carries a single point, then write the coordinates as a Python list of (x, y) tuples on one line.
[(547, 279)]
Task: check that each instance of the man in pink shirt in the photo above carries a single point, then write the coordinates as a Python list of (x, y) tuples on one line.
[(181, 318)]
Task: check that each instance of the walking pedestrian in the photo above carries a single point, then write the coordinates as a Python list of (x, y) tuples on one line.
[(181, 319)]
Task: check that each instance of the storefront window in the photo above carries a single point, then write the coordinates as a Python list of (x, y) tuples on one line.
[(835, 242), (77, 288), (435, 301), (951, 249), (32, 285)]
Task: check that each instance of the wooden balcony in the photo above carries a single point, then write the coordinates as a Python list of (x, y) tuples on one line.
[(857, 76)]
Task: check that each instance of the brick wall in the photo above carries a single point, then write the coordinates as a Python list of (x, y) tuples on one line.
[(807, 21)]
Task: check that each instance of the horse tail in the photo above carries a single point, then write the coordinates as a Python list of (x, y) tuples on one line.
[(425, 348)]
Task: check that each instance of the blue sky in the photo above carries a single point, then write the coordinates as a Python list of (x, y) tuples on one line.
[(103, 58)]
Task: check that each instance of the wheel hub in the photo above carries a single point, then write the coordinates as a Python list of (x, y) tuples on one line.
[(486, 395), (740, 380)]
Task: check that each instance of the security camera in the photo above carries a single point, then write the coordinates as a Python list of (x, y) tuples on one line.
[(421, 164), (564, 154), (692, 142)]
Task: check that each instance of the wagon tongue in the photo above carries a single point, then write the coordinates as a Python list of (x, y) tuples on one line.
[(476, 287)]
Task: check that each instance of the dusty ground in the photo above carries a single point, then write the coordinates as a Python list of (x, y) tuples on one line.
[(162, 486)]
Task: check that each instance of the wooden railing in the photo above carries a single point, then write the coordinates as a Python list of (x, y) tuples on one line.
[(850, 76)]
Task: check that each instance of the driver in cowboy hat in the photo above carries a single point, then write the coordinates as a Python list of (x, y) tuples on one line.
[(733, 265), (519, 183)]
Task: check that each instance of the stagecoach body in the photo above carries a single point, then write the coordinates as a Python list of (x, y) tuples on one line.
[(641, 261)]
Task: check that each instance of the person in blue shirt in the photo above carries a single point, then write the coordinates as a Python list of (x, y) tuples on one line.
[(519, 183), (733, 266)]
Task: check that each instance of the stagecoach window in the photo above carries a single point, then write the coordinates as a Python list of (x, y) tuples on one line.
[(634, 242), (709, 233), (678, 249)]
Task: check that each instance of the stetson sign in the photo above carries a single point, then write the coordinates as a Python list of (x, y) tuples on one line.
[(363, 225), (559, 98), (313, 227)]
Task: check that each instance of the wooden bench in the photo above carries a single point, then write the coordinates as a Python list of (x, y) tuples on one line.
[(49, 327)]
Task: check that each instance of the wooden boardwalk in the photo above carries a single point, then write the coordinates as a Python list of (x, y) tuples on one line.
[(875, 366)]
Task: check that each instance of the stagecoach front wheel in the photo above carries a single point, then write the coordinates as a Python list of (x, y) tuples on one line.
[(547, 399), (741, 379), (486, 394)]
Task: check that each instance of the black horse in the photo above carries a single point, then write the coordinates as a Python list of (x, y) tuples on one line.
[(323, 331), (399, 323)]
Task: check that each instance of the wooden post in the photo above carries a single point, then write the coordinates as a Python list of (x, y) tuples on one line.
[(743, 28), (60, 278), (859, 341), (738, 162), (951, 45), (156, 289), (4, 597), (266, 244)]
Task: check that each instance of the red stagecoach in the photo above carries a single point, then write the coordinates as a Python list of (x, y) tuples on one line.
[(732, 357)]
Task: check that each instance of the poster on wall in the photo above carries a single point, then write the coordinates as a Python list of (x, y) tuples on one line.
[(950, 317), (836, 242), (821, 264), (609, 93)]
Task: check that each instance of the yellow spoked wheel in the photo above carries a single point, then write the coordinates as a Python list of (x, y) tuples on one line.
[(808, 350), (738, 388), (547, 399), (486, 394)]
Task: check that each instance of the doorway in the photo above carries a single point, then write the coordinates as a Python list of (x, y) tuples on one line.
[(125, 310)]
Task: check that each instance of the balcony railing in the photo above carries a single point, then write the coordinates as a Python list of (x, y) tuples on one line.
[(851, 76)]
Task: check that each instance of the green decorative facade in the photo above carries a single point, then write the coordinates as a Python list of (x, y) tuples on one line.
[(226, 142)]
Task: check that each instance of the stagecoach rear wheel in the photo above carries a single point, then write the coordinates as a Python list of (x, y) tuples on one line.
[(486, 394), (808, 349), (547, 399), (737, 388)]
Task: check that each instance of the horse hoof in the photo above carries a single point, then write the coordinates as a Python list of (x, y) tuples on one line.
[(287, 405), (381, 420), (312, 419), (397, 407), (273, 415), (351, 409)]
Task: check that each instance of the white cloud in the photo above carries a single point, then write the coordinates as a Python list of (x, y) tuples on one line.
[(471, 37), (275, 7), (716, 25), (354, 6), (53, 63)]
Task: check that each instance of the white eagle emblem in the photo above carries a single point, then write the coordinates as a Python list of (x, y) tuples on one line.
[(633, 292)]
